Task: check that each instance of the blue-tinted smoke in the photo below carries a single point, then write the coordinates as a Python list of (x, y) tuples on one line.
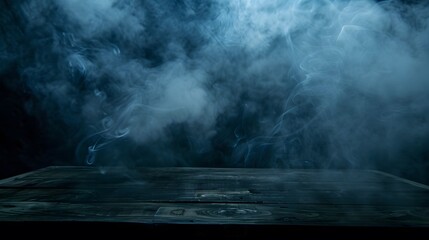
[(290, 84)]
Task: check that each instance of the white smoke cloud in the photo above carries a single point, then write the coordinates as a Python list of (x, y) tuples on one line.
[(96, 17), (245, 83)]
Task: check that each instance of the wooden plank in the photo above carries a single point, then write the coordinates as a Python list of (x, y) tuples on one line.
[(209, 213), (252, 186), (160, 179), (221, 195), (227, 174), (215, 196)]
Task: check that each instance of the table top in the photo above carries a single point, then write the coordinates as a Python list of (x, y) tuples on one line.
[(215, 196)]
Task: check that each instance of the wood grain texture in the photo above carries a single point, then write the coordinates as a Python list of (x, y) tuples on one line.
[(215, 196)]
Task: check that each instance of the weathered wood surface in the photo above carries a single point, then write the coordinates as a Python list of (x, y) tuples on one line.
[(215, 196)]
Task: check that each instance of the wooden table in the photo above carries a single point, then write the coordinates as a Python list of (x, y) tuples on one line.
[(215, 197)]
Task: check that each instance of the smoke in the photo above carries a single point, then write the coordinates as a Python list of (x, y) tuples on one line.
[(288, 84)]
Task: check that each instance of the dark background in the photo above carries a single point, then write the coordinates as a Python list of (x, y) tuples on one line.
[(39, 128)]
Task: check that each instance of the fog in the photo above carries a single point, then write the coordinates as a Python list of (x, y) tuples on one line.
[(246, 83)]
